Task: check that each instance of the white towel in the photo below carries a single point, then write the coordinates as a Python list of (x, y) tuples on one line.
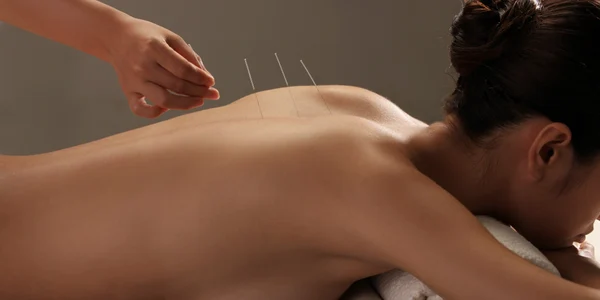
[(361, 290), (399, 285)]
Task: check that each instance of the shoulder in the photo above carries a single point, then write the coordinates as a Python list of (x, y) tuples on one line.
[(364, 103), (360, 151), (343, 96)]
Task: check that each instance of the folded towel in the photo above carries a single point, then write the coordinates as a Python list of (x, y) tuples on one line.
[(361, 290), (399, 285)]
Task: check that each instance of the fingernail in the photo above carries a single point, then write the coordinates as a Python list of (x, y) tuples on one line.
[(212, 79), (214, 94)]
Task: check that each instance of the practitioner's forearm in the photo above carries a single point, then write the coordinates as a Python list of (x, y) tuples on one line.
[(87, 25)]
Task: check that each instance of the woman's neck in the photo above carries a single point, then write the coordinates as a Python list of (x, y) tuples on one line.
[(444, 154)]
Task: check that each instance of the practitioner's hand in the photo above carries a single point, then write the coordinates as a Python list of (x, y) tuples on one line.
[(577, 263), (151, 63)]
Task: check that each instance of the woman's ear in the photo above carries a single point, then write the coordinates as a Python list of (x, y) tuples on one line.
[(550, 149)]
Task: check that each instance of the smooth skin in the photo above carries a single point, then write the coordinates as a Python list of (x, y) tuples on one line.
[(149, 60), (290, 208), (225, 204), (578, 264)]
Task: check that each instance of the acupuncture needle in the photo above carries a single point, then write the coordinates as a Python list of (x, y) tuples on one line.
[(287, 84), (253, 88), (315, 84)]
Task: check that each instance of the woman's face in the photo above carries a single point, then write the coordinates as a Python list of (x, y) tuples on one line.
[(556, 221), (554, 198)]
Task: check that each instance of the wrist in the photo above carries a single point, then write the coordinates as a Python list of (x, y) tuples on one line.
[(109, 35)]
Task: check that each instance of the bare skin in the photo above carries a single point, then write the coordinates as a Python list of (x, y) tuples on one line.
[(270, 200), (149, 60)]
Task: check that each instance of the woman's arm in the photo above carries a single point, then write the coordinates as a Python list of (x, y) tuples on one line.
[(577, 264), (583, 271), (439, 241), (87, 25)]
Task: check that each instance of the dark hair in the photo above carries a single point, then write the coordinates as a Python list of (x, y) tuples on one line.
[(522, 58)]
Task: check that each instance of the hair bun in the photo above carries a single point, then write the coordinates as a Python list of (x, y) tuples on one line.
[(479, 32)]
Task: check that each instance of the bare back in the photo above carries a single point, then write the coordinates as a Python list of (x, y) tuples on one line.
[(256, 200), (245, 201)]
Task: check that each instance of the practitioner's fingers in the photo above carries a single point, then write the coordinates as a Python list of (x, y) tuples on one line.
[(136, 53), (179, 59), (140, 107), (165, 79), (162, 98)]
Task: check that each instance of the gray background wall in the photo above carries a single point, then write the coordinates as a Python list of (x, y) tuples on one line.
[(52, 97)]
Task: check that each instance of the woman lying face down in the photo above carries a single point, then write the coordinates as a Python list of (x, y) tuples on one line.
[(295, 194)]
